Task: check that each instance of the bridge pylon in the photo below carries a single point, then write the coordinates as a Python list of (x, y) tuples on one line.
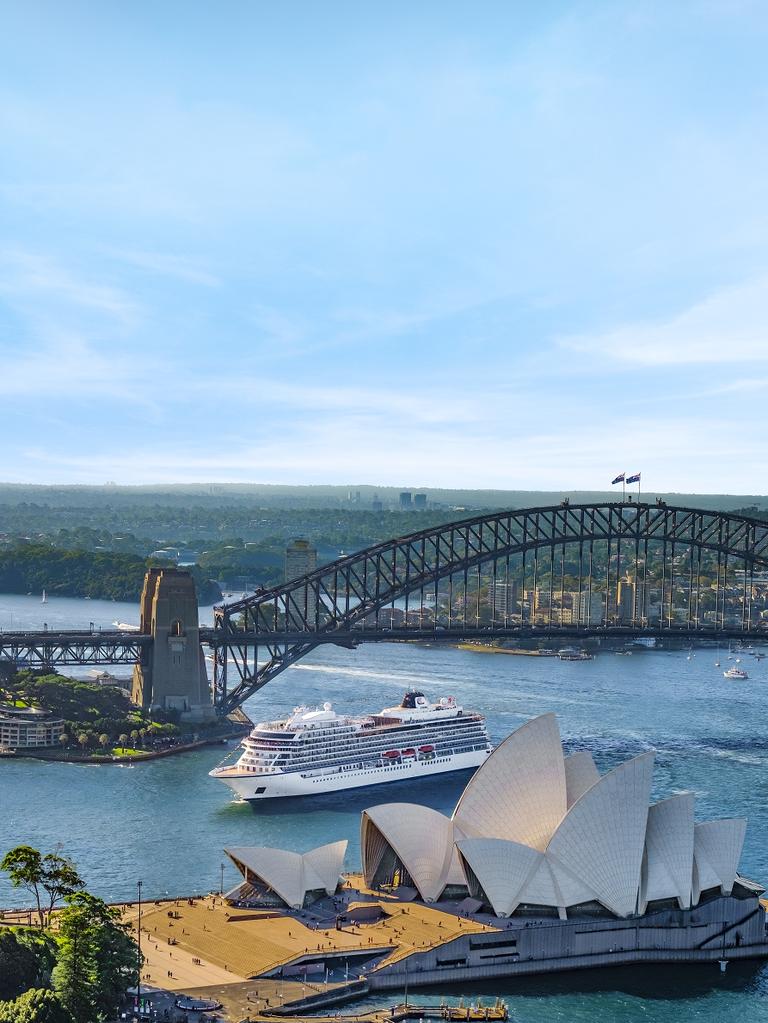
[(172, 674)]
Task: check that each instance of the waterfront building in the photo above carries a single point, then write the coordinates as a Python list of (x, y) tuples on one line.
[(282, 878), (29, 728), (536, 832), (300, 559)]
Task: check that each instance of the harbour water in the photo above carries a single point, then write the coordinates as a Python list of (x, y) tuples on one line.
[(166, 822)]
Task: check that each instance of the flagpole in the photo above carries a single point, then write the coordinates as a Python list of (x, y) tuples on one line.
[(624, 489)]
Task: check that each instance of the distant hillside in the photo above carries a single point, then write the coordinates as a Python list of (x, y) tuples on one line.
[(305, 497)]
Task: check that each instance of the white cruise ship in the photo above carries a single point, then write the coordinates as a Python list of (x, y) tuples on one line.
[(319, 751)]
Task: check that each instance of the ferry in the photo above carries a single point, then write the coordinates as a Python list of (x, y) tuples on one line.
[(573, 653), (317, 751)]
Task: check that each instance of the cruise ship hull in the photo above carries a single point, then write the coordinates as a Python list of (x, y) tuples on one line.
[(339, 779)]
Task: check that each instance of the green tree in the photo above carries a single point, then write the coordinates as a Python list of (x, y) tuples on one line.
[(51, 877), (103, 740), (26, 960), (34, 1006), (83, 740), (123, 740), (97, 961), (60, 879), (24, 866), (64, 739)]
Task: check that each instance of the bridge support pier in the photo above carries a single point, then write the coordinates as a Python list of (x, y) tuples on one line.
[(173, 675)]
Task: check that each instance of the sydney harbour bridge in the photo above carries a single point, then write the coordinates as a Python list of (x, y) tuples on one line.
[(614, 569)]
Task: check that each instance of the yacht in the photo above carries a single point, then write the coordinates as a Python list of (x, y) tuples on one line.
[(317, 750), (735, 672)]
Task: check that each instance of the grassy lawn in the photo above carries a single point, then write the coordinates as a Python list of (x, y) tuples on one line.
[(127, 751)]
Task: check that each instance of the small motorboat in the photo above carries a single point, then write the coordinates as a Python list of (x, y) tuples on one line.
[(735, 672)]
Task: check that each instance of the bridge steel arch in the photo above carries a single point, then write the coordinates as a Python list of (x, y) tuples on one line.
[(687, 571)]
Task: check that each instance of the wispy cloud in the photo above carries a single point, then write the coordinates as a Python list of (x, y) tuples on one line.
[(164, 264), (27, 276), (730, 325)]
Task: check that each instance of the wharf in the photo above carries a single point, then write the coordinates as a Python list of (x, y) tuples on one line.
[(486, 648), (496, 1012)]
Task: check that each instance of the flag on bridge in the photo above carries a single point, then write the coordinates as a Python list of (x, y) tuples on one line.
[(634, 479), (619, 479)]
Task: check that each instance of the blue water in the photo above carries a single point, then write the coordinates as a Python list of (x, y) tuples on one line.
[(166, 822)]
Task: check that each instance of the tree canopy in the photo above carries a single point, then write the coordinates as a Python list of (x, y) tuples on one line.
[(77, 972)]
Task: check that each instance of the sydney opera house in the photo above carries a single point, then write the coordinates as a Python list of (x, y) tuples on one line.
[(537, 832), (556, 866)]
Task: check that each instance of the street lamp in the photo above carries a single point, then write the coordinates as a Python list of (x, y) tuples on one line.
[(138, 983), (221, 889)]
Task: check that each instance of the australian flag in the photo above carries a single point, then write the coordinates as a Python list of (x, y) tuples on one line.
[(634, 479), (619, 479)]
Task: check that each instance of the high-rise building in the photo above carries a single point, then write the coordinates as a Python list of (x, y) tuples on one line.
[(405, 499), (377, 504), (502, 596), (300, 558), (587, 608), (420, 501), (625, 601)]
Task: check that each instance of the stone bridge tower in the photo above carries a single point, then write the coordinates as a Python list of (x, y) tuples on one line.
[(175, 676)]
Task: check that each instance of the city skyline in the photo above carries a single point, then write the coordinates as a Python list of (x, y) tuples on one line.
[(327, 244)]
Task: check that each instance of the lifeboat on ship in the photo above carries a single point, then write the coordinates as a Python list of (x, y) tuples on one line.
[(408, 752), (392, 754)]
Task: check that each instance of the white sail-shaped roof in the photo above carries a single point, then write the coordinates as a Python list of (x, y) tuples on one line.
[(278, 869), (519, 792), (669, 851), (325, 863), (291, 875), (601, 840), (580, 775), (717, 849), (571, 890), (536, 828), (421, 838), (502, 868)]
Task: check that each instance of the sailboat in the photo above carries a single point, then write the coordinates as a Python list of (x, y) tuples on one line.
[(44, 599)]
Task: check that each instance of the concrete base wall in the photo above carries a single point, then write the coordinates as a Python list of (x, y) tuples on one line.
[(725, 927), (385, 980)]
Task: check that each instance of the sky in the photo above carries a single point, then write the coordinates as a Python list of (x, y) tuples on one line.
[(486, 244)]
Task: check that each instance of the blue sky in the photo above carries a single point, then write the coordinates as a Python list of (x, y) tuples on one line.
[(455, 244)]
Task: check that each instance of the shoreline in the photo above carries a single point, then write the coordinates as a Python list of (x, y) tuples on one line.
[(61, 757)]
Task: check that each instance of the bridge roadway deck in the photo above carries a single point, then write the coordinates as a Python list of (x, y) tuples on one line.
[(126, 647), (50, 647), (352, 636)]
